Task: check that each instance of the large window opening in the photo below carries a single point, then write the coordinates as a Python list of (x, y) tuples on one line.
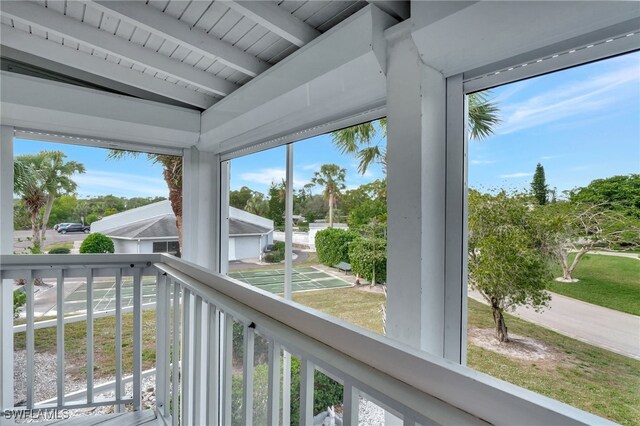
[(554, 276)]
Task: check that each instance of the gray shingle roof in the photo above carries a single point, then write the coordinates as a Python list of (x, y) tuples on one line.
[(165, 227)]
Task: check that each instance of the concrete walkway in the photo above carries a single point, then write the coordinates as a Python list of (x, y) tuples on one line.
[(603, 327)]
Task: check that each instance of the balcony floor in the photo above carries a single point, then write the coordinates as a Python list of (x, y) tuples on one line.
[(138, 418)]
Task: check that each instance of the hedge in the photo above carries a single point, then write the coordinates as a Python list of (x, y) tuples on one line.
[(332, 245), (327, 392), (97, 243), (363, 253), (59, 250)]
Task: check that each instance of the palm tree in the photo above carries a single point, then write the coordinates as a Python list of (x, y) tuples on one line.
[(39, 179), (172, 173), (331, 177), (56, 175), (361, 140), (27, 182)]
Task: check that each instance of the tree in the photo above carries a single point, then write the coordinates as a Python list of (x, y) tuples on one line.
[(172, 174), (63, 210), (239, 198), (56, 175), (508, 255), (539, 186), (582, 227), (27, 183), (276, 203), (97, 243), (367, 141), (331, 177), (257, 205), (620, 193)]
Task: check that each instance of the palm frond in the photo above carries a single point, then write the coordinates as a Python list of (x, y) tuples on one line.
[(483, 115)]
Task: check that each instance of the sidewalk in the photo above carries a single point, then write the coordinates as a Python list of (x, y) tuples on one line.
[(603, 327)]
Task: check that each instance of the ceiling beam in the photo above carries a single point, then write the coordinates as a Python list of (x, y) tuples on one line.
[(71, 29), (37, 46), (399, 9), (277, 20), (155, 21)]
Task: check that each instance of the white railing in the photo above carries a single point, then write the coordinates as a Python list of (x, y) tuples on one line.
[(196, 311)]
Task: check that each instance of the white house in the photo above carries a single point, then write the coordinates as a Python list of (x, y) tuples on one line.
[(152, 229)]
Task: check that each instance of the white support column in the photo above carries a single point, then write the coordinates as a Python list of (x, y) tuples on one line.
[(200, 208), (6, 247), (417, 184), (288, 269)]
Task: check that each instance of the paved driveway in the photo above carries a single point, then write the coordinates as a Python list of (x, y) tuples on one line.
[(603, 327), (20, 241)]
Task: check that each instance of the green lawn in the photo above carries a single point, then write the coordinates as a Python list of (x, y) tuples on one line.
[(63, 244), (587, 377), (612, 282)]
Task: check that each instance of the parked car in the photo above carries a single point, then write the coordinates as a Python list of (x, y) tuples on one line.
[(74, 227), (60, 225)]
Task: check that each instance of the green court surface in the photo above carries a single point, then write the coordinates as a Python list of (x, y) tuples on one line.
[(104, 294), (302, 279)]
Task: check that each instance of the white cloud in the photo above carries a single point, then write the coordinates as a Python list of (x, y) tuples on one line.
[(97, 182), (586, 96), (478, 162), (550, 157), (312, 166), (269, 175), (516, 175)]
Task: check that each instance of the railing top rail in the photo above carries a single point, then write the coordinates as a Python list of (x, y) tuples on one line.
[(483, 396), (55, 261)]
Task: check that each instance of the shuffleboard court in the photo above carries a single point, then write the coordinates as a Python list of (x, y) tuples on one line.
[(104, 294), (302, 279)]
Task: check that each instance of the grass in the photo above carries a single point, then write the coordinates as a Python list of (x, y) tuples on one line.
[(587, 377), (64, 244), (75, 345), (609, 281)]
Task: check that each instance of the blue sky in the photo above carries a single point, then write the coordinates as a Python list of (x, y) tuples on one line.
[(581, 124)]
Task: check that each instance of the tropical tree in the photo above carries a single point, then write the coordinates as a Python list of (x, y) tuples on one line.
[(56, 181), (579, 228), (331, 177), (620, 193), (366, 141), (257, 204), (509, 259), (172, 174), (27, 183), (539, 186)]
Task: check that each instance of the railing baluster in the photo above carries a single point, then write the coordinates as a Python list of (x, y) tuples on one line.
[(247, 376), (227, 359), (60, 335), (273, 403), (30, 338), (350, 405), (307, 370), (175, 351), (213, 367), (166, 285), (185, 396), (90, 336), (197, 362), (137, 339), (118, 331), (162, 361)]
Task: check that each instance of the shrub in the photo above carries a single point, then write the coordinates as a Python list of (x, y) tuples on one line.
[(260, 396), (59, 250), (97, 243), (276, 254), (19, 300), (364, 253), (332, 245), (327, 392)]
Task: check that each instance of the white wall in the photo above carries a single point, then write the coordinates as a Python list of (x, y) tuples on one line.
[(126, 246), (248, 247), (127, 217)]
